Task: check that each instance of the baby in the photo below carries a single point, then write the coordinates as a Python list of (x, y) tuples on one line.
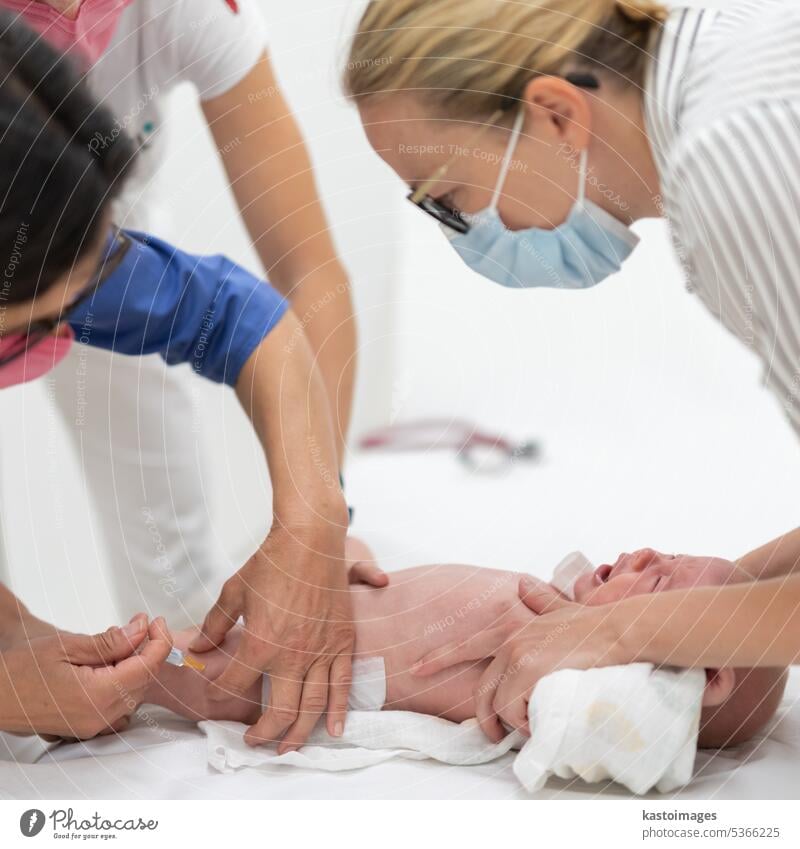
[(430, 606)]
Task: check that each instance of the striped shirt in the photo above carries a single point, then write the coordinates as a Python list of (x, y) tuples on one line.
[(722, 106)]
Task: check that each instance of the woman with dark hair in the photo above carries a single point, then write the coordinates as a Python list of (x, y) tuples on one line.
[(134, 54), (71, 272)]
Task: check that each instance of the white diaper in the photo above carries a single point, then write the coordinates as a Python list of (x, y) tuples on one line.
[(368, 690)]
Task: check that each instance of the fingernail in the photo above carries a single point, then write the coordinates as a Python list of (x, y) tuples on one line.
[(338, 729), (132, 629)]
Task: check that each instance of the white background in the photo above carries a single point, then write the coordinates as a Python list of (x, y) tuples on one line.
[(655, 426)]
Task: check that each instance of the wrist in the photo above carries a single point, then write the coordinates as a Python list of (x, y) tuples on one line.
[(616, 632), (12, 626), (23, 627), (318, 516)]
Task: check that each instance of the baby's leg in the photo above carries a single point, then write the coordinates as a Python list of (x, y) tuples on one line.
[(427, 607)]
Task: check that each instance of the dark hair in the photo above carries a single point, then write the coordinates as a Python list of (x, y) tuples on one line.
[(63, 160)]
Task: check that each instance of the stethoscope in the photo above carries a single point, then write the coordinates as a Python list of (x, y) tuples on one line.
[(478, 450)]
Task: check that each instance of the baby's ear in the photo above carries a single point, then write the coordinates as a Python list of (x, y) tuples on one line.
[(719, 686)]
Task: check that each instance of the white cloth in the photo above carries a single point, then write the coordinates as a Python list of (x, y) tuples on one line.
[(595, 737), (136, 423), (369, 738), (631, 724), (27, 749)]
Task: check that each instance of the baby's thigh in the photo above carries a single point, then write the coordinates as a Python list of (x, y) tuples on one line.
[(428, 607)]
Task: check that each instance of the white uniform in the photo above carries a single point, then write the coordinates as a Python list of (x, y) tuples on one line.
[(130, 417), (723, 114)]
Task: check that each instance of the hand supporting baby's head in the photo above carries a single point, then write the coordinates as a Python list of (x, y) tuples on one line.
[(737, 703)]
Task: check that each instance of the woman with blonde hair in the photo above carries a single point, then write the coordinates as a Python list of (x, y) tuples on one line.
[(496, 113)]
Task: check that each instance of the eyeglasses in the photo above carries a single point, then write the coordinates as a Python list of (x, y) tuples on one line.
[(421, 198), (40, 329), (452, 218)]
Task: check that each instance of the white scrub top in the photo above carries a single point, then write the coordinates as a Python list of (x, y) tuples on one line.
[(157, 45), (722, 107)]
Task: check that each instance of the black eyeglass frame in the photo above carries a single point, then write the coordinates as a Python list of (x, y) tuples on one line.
[(43, 327)]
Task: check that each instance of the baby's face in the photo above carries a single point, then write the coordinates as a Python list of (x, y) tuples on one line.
[(737, 703), (649, 571)]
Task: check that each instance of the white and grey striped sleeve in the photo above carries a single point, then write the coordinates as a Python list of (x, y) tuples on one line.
[(737, 221)]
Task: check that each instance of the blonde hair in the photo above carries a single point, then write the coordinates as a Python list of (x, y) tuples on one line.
[(472, 57)]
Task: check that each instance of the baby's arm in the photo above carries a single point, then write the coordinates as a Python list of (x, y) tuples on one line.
[(421, 609)]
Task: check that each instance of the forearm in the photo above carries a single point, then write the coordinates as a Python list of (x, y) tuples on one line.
[(322, 302), (741, 625), (781, 556), (281, 390), (271, 175)]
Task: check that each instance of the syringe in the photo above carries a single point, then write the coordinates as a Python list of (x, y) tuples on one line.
[(177, 658)]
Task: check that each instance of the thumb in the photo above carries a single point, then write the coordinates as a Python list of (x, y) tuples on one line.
[(111, 646), (540, 596)]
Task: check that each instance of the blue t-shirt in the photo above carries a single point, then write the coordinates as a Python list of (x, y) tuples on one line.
[(206, 311)]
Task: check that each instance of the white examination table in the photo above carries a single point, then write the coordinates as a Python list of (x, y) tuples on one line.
[(527, 519)]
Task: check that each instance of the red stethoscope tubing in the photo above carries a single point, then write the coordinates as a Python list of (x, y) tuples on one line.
[(435, 434)]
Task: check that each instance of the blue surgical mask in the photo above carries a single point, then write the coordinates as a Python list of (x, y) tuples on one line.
[(588, 247)]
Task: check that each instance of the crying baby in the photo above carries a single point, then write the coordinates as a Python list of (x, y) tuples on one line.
[(426, 607)]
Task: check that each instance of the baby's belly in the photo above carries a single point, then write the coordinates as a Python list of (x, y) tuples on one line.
[(424, 608)]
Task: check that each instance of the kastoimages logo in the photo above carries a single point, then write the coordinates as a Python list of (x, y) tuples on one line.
[(31, 822)]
